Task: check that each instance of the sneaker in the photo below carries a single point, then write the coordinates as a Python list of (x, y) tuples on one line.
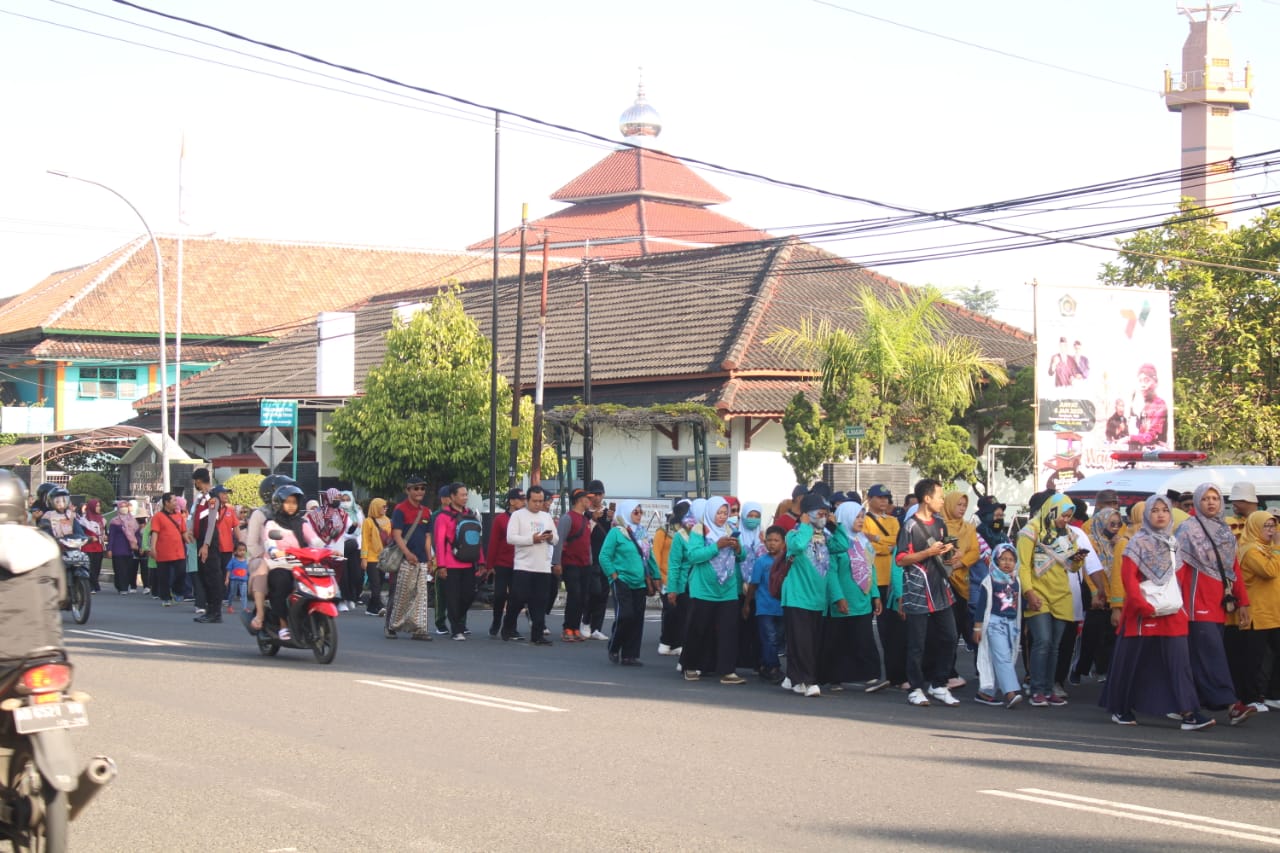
[(584, 629), (1173, 715), (1125, 719), (676, 651), (1073, 679), (813, 690), (632, 662), (800, 688), (615, 657), (664, 649), (567, 637), (390, 635), (599, 635), (166, 603), (442, 632), (916, 697), (466, 632), (540, 641), (342, 607), (1055, 701), (987, 699), (493, 631), (1196, 721), (835, 687), (732, 678), (422, 636), (692, 675), (512, 638), (1060, 691), (943, 695), (284, 635), (1012, 700), (1273, 704), (199, 611), (1038, 700), (874, 685), (1260, 707), (459, 636), (370, 613), (786, 684), (1101, 679), (1239, 713)]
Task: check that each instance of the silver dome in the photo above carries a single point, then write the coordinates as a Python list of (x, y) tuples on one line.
[(640, 119)]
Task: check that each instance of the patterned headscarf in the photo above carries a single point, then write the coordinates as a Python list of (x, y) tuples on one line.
[(1199, 536), (1154, 550), (1104, 544), (998, 575), (859, 566), (725, 560)]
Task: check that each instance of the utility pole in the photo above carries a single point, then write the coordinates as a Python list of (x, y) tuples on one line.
[(513, 480)]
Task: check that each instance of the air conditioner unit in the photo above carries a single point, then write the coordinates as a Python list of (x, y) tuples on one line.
[(1179, 86)]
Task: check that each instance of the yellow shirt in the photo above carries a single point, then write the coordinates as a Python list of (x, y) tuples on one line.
[(882, 530), (1261, 571)]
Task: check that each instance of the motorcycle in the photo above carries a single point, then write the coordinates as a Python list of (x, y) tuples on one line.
[(312, 616), (41, 791), (77, 563)]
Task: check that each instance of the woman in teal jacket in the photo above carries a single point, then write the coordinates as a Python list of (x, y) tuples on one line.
[(849, 651), (714, 560), (809, 591), (623, 558)]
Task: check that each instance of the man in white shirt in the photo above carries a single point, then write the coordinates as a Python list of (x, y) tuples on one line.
[(532, 532)]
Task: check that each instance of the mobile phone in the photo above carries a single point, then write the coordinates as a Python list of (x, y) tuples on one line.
[(736, 534)]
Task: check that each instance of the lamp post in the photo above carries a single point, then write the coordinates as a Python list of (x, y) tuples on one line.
[(164, 363)]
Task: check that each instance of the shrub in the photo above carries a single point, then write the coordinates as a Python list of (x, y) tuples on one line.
[(244, 489), (93, 485)]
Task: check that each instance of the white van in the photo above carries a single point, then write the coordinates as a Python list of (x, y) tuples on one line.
[(1138, 484)]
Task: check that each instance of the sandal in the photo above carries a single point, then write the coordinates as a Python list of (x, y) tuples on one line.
[(256, 623), (284, 635)]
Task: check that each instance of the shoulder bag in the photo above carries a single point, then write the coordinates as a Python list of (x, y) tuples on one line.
[(1229, 601), (391, 557)]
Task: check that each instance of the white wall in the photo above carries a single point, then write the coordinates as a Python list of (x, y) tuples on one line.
[(623, 460)]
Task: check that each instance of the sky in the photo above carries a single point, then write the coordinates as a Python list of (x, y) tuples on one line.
[(797, 91)]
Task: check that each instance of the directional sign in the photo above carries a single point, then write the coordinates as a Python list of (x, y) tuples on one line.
[(853, 432), (277, 413), (272, 447)]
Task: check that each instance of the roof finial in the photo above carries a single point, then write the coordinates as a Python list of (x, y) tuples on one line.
[(641, 121)]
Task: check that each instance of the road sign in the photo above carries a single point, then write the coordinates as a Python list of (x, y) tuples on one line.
[(272, 447), (277, 413), (849, 431)]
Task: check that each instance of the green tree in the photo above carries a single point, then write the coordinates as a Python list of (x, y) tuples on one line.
[(1227, 362), (92, 485), (946, 457), (425, 409), (1003, 414), (976, 299), (898, 373), (810, 441)]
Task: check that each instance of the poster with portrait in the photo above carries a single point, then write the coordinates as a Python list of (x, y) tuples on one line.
[(1104, 374)]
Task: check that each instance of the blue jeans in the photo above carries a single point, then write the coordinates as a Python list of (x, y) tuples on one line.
[(1002, 643), (771, 633), (1046, 635), (238, 591)]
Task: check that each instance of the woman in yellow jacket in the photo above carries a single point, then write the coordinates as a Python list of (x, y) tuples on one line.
[(1259, 556), (374, 536), (966, 554)]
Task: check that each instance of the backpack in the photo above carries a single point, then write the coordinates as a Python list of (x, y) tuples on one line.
[(466, 539), (777, 574)]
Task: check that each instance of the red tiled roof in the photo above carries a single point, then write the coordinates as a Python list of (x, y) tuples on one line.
[(633, 172)]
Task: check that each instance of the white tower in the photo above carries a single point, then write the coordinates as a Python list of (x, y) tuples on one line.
[(1207, 92)]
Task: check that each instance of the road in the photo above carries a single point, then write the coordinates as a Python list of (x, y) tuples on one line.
[(484, 745)]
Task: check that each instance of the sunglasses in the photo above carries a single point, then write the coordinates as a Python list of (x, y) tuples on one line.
[(417, 489)]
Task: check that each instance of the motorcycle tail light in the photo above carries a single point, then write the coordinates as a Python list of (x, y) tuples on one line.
[(49, 678)]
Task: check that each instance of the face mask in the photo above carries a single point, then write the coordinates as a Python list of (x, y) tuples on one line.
[(816, 520), (750, 523), (998, 524), (733, 521)]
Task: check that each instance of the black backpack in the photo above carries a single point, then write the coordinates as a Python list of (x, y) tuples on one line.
[(466, 539)]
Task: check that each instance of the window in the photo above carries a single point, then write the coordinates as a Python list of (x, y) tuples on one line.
[(108, 383), (677, 475), (1220, 112), (1221, 63)]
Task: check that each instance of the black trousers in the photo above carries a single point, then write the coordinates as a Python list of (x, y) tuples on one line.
[(375, 589), (574, 578), (95, 570), (1097, 639), (711, 640), (804, 643), (279, 585), (596, 599), (528, 589), (165, 569), (459, 592), (502, 582), (893, 639), (125, 569), (353, 577), (848, 650), (748, 636), (1066, 652), (628, 620), (210, 579), (674, 618), (931, 637)]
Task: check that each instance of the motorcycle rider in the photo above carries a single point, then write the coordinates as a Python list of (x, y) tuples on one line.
[(254, 539), (33, 582), (60, 520), (298, 533)]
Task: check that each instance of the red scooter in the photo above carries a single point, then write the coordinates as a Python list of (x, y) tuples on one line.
[(312, 615)]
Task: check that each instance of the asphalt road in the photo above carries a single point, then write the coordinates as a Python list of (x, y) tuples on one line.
[(484, 745)]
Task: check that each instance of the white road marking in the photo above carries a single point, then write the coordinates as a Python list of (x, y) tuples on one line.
[(463, 696), (128, 638), (1212, 826)]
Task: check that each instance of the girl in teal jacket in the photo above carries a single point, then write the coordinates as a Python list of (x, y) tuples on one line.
[(714, 560), (810, 589)]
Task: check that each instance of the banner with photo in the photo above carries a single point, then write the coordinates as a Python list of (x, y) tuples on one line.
[(1104, 374)]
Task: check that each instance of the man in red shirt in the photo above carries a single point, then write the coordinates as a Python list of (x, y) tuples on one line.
[(572, 561), (168, 546), (501, 558), (458, 574)]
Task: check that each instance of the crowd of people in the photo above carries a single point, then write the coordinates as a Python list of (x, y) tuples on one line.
[(1174, 606)]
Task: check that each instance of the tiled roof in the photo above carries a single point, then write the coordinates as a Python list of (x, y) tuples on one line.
[(652, 226), (231, 287), (138, 349), (634, 172), (698, 316)]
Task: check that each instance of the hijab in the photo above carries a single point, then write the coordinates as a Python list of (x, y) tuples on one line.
[(127, 523), (951, 513), (725, 560), (1043, 528), (1104, 544), (291, 522), (1253, 536), (378, 514), (997, 574), (1154, 551), (695, 509), (752, 540), (1206, 539), (676, 519), (993, 537), (859, 566), (93, 520)]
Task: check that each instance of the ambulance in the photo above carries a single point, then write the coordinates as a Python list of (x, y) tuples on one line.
[(1150, 473)]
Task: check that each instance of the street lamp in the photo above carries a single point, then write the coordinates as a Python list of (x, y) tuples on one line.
[(164, 363)]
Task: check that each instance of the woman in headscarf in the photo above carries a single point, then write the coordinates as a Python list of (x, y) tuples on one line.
[(684, 529), (1212, 587), (660, 564), (962, 558), (849, 651), (1097, 638), (95, 531), (123, 545), (714, 560), (297, 533), (623, 559), (1050, 550), (1151, 668), (809, 590), (991, 526), (375, 534), (1259, 556), (752, 538)]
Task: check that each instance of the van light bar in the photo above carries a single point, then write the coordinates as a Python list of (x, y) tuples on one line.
[(1182, 456)]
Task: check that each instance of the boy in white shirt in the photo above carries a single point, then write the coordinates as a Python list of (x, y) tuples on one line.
[(532, 532)]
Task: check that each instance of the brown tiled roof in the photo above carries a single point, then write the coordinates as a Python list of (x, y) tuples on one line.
[(689, 317), (231, 287), (134, 349), (633, 172)]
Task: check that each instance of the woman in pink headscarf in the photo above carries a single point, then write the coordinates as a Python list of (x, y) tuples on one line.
[(123, 546)]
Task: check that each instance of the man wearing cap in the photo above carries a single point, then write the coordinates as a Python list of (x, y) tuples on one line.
[(1244, 500), (596, 594), (571, 561), (789, 519), (410, 532), (213, 535), (881, 529), (502, 558), (531, 535)]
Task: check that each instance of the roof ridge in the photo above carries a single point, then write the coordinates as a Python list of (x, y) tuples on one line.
[(760, 305), (93, 283)]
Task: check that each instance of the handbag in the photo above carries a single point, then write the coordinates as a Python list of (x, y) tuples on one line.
[(1165, 597), (391, 557)]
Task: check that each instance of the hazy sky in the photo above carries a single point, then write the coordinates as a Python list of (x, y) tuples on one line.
[(792, 89)]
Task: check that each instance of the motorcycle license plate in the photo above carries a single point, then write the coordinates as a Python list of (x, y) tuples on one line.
[(55, 715)]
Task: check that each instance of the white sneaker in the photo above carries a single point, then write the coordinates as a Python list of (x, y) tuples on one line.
[(585, 630), (812, 690), (917, 697), (664, 649), (599, 635), (199, 611), (943, 695), (1273, 704), (800, 688), (786, 684), (1060, 691), (342, 607), (1261, 707)]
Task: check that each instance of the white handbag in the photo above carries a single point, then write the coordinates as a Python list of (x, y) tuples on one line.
[(1165, 597)]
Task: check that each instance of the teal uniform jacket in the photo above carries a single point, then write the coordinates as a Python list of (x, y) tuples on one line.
[(860, 603), (804, 588), (677, 565), (703, 583), (621, 556)]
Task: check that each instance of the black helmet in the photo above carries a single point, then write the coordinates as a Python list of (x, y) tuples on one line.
[(54, 495), (270, 483), (279, 495), (42, 495), (13, 498)]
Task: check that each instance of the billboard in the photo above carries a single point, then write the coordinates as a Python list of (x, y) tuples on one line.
[(1104, 378)]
